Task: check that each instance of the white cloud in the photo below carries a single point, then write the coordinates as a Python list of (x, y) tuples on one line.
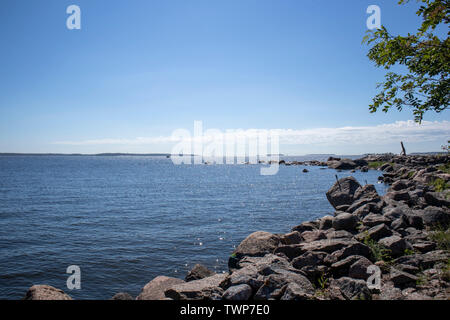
[(406, 131)]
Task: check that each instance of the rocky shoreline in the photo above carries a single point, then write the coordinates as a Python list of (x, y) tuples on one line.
[(399, 241)]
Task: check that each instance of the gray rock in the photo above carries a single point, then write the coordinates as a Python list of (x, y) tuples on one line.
[(45, 292), (341, 268), (122, 296), (294, 291), (358, 270), (238, 293), (326, 223), (341, 193), (290, 251), (248, 275), (293, 237), (306, 226), (399, 223), (436, 199), (379, 231), (198, 272), (435, 216), (398, 195), (343, 164), (314, 235), (340, 234), (367, 191), (345, 221), (203, 289), (399, 185), (354, 249), (257, 244), (352, 289), (373, 219), (327, 245), (154, 290), (402, 279), (395, 244), (424, 246), (274, 283), (308, 259)]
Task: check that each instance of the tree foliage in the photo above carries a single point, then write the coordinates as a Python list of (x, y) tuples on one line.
[(426, 85)]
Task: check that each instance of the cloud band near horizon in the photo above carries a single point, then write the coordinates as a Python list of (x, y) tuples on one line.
[(406, 131)]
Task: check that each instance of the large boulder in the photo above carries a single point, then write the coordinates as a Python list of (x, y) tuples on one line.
[(198, 272), (203, 289), (45, 292), (257, 244), (342, 164), (342, 192), (154, 290)]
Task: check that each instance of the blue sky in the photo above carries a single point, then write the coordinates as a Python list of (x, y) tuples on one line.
[(144, 68)]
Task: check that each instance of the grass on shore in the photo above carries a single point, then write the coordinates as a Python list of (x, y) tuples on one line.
[(441, 236), (379, 252), (377, 164), (440, 185), (445, 168)]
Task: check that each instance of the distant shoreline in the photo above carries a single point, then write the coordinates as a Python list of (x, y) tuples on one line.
[(117, 154)]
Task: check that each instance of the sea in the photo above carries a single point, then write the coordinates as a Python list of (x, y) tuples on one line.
[(124, 220)]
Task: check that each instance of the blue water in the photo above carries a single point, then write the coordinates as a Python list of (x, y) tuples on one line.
[(125, 220)]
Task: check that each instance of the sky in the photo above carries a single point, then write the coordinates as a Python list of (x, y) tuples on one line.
[(138, 70)]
